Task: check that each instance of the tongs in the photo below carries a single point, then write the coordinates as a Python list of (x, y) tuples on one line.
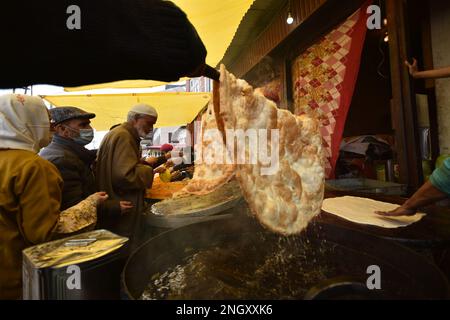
[(214, 74), (209, 72), (206, 71)]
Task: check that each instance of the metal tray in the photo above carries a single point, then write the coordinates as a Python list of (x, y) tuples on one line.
[(176, 212)]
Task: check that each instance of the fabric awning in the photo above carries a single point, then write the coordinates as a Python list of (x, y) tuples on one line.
[(216, 22), (174, 108)]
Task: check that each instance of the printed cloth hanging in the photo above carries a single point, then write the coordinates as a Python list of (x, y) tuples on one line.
[(324, 78)]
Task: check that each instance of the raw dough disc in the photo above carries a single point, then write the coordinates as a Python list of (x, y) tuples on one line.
[(362, 211)]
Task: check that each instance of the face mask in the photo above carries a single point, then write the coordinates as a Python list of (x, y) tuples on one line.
[(85, 136)]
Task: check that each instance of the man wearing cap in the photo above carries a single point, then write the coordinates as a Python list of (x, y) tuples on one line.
[(121, 172), (72, 131)]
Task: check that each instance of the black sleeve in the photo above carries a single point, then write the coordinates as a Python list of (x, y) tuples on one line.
[(118, 40)]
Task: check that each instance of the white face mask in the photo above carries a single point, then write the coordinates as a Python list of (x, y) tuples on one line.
[(85, 136)]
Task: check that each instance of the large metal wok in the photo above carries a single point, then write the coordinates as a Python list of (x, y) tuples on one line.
[(349, 253)]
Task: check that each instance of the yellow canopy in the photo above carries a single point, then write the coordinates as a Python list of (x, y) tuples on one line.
[(216, 22), (174, 108)]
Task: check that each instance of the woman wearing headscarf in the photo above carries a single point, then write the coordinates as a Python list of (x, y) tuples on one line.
[(30, 189)]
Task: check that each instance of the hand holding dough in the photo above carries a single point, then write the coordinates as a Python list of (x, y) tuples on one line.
[(363, 211), (398, 212)]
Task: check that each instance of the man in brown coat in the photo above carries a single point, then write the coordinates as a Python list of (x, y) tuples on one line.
[(121, 172)]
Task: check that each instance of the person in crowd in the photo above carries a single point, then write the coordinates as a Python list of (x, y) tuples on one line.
[(122, 172), (30, 189), (67, 151)]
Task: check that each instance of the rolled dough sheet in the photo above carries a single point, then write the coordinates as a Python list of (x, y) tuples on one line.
[(362, 211)]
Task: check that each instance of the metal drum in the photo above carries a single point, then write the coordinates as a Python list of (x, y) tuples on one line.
[(241, 244)]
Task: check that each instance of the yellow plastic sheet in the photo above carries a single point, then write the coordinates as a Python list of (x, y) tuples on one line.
[(174, 108)]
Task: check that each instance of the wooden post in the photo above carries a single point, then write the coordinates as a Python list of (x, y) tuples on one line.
[(403, 104)]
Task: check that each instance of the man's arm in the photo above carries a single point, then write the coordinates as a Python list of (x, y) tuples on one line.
[(38, 187), (155, 162), (428, 74), (426, 195), (437, 188)]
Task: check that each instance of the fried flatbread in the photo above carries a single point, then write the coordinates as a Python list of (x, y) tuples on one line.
[(284, 187), (286, 200)]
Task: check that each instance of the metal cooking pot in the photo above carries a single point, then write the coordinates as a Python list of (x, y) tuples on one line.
[(404, 273)]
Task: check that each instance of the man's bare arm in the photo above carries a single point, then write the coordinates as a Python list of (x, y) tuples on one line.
[(428, 74), (426, 195)]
